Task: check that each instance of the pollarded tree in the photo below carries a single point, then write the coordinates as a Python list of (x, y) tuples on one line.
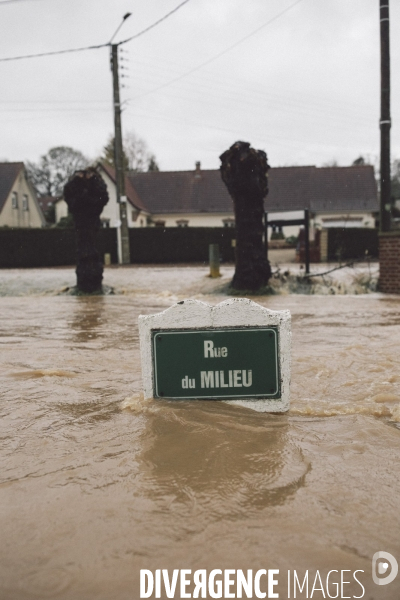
[(86, 195), (54, 169), (244, 171)]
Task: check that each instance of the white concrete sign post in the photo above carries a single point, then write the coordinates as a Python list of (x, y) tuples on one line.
[(237, 352)]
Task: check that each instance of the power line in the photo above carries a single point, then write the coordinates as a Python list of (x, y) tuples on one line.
[(133, 37), (54, 52), (207, 62), (11, 1), (222, 90), (96, 47)]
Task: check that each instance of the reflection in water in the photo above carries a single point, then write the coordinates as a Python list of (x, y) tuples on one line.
[(89, 318), (210, 459), (97, 483)]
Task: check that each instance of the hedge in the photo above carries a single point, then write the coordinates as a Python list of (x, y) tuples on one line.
[(180, 244), (56, 247), (47, 247)]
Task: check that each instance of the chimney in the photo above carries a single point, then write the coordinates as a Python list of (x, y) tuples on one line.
[(197, 172)]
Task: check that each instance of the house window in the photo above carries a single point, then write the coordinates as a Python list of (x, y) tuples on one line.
[(25, 203), (14, 199), (229, 222), (182, 223)]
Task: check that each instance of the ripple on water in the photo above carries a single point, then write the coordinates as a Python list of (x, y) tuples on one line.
[(37, 373), (85, 483), (47, 583), (214, 460)]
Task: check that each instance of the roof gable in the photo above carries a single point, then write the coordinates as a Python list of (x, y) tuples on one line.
[(130, 191), (8, 174)]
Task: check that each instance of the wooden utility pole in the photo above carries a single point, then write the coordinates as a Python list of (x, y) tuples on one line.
[(385, 121), (122, 230)]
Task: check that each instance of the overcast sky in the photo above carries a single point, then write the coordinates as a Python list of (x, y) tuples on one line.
[(304, 88)]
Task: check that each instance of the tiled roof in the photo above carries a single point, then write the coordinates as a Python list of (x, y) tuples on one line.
[(290, 188), (130, 192), (182, 191), (8, 174), (344, 188)]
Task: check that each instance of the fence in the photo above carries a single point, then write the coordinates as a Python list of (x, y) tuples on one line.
[(180, 244), (56, 247), (46, 247), (353, 242)]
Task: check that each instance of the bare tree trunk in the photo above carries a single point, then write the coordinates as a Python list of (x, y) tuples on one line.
[(244, 171), (86, 195)]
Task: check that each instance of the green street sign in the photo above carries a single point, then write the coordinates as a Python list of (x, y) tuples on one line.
[(216, 363)]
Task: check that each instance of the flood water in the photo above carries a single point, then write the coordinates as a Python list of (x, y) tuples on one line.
[(97, 483)]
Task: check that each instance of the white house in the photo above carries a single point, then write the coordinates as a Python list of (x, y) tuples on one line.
[(334, 196), (19, 205)]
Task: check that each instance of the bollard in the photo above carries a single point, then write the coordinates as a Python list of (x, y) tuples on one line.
[(213, 253), (107, 259)]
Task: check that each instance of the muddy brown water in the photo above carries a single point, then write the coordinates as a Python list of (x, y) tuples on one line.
[(97, 483)]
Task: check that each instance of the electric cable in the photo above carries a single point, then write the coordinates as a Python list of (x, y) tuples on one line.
[(136, 35), (96, 47), (54, 52), (12, 1), (216, 56)]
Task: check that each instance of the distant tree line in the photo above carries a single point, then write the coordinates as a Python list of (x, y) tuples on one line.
[(136, 155), (53, 170)]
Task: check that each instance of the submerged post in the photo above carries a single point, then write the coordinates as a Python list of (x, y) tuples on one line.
[(86, 195), (213, 254), (266, 234), (244, 171), (307, 239)]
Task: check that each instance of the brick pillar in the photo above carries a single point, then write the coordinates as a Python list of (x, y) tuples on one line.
[(389, 262)]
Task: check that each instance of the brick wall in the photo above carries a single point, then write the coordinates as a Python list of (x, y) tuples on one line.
[(389, 262)]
